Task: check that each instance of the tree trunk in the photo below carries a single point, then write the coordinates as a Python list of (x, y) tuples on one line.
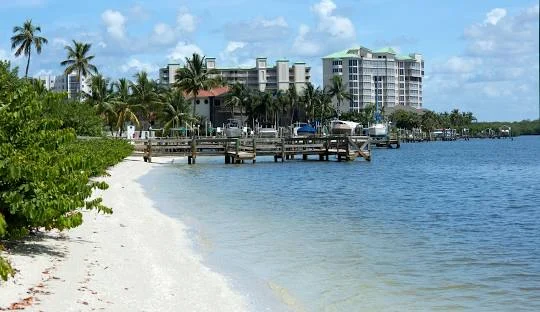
[(27, 64), (80, 84)]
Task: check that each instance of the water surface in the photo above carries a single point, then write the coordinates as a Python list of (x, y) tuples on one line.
[(447, 226)]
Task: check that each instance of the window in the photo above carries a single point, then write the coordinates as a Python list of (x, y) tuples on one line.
[(337, 62), (401, 78), (401, 72), (353, 69), (353, 62)]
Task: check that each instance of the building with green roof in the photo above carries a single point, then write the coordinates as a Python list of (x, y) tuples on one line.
[(376, 76)]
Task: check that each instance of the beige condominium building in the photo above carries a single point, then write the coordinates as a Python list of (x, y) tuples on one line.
[(261, 77), (376, 77), (66, 83)]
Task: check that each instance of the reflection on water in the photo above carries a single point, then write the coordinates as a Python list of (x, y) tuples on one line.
[(438, 226)]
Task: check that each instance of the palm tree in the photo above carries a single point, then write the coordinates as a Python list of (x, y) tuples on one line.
[(25, 37), (324, 104), (102, 99), (293, 98), (144, 94), (78, 61), (339, 91), (175, 110), (39, 86), (238, 96), (194, 77), (309, 100), (124, 108)]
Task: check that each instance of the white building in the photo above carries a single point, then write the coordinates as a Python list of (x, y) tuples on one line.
[(66, 83), (394, 79), (261, 77)]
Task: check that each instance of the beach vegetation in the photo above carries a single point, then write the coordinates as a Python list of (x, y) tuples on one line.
[(79, 116), (46, 173)]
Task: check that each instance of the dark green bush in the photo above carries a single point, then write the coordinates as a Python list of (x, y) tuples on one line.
[(44, 170)]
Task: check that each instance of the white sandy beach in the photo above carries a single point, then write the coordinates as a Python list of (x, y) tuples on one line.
[(136, 259)]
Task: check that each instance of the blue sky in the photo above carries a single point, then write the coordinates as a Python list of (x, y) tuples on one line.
[(480, 56)]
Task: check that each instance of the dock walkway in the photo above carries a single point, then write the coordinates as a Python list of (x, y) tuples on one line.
[(238, 150)]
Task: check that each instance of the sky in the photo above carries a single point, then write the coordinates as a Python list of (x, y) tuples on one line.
[(480, 56)]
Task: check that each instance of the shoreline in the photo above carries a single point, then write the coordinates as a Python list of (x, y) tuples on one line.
[(137, 259)]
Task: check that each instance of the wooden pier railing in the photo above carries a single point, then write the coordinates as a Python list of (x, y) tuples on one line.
[(238, 150)]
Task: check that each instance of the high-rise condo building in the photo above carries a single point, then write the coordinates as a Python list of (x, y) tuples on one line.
[(376, 77), (261, 77), (66, 83)]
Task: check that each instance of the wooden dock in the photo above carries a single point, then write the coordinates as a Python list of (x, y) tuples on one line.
[(238, 150), (391, 141)]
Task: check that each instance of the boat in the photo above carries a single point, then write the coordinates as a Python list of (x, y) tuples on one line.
[(378, 130), (304, 129), (343, 127), (232, 128), (267, 132)]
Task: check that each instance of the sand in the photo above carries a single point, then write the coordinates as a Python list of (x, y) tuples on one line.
[(136, 259)]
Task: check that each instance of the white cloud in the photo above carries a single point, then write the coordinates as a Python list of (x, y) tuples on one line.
[(497, 69), (115, 23), (302, 45), (135, 65), (494, 16), (163, 34), (183, 50), (277, 22), (43, 72), (257, 30), (335, 25), (234, 45), (232, 52), (459, 65), (501, 35), (59, 42), (139, 12), (186, 22)]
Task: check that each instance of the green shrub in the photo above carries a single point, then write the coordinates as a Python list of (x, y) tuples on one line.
[(79, 116), (44, 170)]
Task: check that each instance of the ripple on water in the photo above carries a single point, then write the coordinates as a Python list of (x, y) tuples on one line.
[(441, 226)]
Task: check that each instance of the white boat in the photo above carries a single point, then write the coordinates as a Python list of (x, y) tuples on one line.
[(343, 127), (378, 130), (267, 132), (232, 128)]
